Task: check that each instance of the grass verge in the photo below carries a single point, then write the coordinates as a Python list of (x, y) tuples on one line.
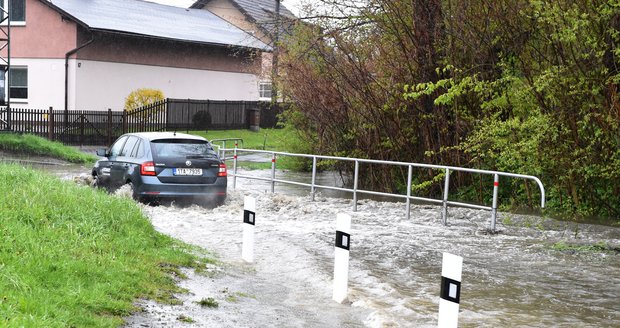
[(265, 139), (72, 256), (34, 145), (282, 140)]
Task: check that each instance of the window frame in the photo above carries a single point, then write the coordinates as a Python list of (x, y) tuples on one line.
[(21, 22), (261, 90), (128, 147), (8, 87)]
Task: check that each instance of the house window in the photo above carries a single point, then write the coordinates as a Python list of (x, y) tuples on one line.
[(18, 88), (17, 9), (264, 90)]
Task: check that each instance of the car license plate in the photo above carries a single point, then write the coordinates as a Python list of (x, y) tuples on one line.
[(187, 171)]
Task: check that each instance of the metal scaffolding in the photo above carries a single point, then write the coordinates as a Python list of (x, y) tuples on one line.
[(5, 66)]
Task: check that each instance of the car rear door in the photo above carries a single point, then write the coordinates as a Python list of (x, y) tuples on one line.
[(108, 168)]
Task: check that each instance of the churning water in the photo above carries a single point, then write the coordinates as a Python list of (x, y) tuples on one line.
[(515, 278)]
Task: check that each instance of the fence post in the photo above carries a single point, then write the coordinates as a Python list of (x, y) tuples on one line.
[(244, 113), (226, 112), (167, 113), (81, 130), (188, 117), (109, 127), (210, 126), (124, 121), (50, 124), (444, 211)]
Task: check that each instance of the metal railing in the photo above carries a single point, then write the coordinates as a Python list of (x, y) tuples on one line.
[(222, 143), (408, 197)]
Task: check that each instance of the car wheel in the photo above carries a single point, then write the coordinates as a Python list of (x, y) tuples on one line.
[(220, 200), (134, 193), (95, 183)]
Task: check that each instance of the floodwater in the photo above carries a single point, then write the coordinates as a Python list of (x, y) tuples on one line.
[(511, 279)]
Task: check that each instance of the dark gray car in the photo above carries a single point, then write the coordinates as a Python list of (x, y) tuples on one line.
[(163, 165)]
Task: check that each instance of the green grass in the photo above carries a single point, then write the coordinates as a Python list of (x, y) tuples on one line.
[(73, 256), (282, 140), (600, 247), (33, 145), (208, 302), (265, 139)]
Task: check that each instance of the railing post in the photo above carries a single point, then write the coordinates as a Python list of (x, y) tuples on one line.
[(357, 171), (50, 124), (273, 173), (234, 165), (494, 206), (409, 177), (446, 188), (313, 188)]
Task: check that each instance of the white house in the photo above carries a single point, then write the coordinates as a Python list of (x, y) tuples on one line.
[(90, 55)]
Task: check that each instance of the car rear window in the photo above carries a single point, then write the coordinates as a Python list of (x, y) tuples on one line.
[(167, 148)]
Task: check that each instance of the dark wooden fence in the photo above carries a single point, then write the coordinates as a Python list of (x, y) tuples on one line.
[(80, 127)]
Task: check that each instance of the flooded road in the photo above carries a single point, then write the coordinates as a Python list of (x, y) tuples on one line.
[(515, 278)]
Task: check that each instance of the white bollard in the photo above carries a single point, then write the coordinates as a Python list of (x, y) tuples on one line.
[(341, 258), (249, 221), (450, 294)]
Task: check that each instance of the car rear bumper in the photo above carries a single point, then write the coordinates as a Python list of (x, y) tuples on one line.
[(152, 187)]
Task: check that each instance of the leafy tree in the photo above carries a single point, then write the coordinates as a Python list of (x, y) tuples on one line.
[(527, 86)]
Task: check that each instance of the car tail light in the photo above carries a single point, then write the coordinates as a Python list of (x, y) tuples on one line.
[(147, 168), (222, 172)]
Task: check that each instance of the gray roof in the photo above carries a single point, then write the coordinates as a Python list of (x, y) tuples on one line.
[(155, 20), (261, 12)]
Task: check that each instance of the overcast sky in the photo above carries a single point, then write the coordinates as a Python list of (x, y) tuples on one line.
[(292, 5)]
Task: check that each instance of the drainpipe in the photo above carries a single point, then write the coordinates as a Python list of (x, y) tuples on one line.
[(67, 55), (274, 55)]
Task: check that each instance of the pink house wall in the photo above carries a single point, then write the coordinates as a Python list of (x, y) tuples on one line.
[(48, 35), (45, 35)]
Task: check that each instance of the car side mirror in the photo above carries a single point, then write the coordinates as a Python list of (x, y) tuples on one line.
[(102, 152)]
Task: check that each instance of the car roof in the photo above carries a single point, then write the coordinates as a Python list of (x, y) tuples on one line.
[(165, 135)]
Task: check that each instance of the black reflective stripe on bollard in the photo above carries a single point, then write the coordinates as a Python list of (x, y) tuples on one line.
[(450, 290), (343, 240), (248, 217)]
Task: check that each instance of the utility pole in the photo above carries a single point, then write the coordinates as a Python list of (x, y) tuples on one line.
[(274, 62), (5, 66)]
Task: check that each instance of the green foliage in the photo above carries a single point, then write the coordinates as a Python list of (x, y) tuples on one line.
[(73, 256), (33, 145), (525, 86)]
